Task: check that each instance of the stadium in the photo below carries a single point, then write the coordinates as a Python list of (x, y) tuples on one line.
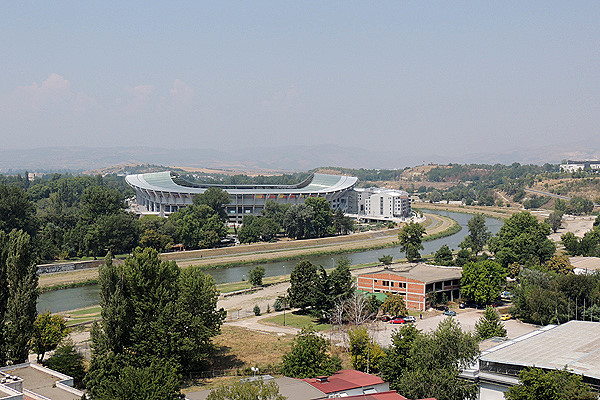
[(166, 192)]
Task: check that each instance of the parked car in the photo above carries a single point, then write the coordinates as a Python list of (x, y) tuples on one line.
[(386, 318), (506, 295), (409, 318), (442, 308), (462, 305), (505, 317), (451, 313), (397, 321)]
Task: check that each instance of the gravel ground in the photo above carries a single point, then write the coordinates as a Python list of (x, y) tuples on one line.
[(576, 224)]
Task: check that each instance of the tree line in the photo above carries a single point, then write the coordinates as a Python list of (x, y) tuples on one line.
[(77, 216), (313, 219)]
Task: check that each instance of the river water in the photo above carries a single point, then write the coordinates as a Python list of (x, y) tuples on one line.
[(69, 299)]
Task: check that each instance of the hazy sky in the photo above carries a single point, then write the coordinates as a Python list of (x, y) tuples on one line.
[(443, 76)]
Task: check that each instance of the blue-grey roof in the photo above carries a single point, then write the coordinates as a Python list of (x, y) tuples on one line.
[(170, 182)]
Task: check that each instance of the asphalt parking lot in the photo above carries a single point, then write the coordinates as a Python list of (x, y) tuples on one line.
[(382, 331)]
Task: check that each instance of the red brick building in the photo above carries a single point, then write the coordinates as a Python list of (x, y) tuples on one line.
[(413, 281)]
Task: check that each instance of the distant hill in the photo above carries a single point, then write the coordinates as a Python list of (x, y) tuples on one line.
[(284, 158)]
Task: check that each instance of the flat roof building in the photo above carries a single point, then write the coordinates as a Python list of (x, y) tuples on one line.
[(33, 381), (166, 192), (574, 345), (416, 282)]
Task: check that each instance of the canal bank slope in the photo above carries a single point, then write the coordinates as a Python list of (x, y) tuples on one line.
[(436, 225)]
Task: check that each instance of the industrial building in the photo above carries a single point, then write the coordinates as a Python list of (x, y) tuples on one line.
[(574, 346)]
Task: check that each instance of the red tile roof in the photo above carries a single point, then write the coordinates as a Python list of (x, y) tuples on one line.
[(345, 379)]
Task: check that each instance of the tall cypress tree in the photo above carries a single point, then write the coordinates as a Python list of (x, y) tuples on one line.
[(22, 278), (3, 298)]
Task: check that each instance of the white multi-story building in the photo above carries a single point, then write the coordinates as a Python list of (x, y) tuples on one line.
[(574, 166), (381, 202)]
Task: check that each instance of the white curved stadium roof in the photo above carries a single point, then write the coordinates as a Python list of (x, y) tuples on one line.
[(170, 182)]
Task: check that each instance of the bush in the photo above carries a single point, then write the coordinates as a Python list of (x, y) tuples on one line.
[(256, 310), (256, 275), (67, 360)]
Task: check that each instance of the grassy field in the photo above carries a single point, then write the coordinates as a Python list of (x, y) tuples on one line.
[(83, 315), (297, 321), (239, 348)]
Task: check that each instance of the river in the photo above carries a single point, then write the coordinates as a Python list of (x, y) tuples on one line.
[(69, 299)]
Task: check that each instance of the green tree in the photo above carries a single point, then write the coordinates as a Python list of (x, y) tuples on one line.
[(3, 297), (323, 216), (396, 361), (115, 232), (156, 240), (22, 281), (155, 381), (215, 198), (560, 206), (482, 281), (410, 238), (589, 244), (364, 352), (258, 390), (341, 284), (308, 357), (67, 360), (580, 206), (100, 200), (48, 331), (249, 231), (571, 243), (537, 384), (429, 364), (256, 275), (302, 281), (478, 235), (559, 264), (198, 226), (299, 223), (522, 239), (255, 228), (152, 312), (443, 256), (386, 259), (394, 305), (342, 225), (554, 220), (489, 325), (463, 256), (16, 210)]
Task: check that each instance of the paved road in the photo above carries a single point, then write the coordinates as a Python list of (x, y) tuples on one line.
[(382, 331), (548, 194)]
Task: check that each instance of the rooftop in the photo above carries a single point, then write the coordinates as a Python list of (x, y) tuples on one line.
[(43, 381), (585, 263), (292, 389), (422, 272), (391, 395), (345, 379), (170, 182), (574, 345)]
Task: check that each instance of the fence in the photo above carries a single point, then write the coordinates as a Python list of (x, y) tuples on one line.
[(215, 373)]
